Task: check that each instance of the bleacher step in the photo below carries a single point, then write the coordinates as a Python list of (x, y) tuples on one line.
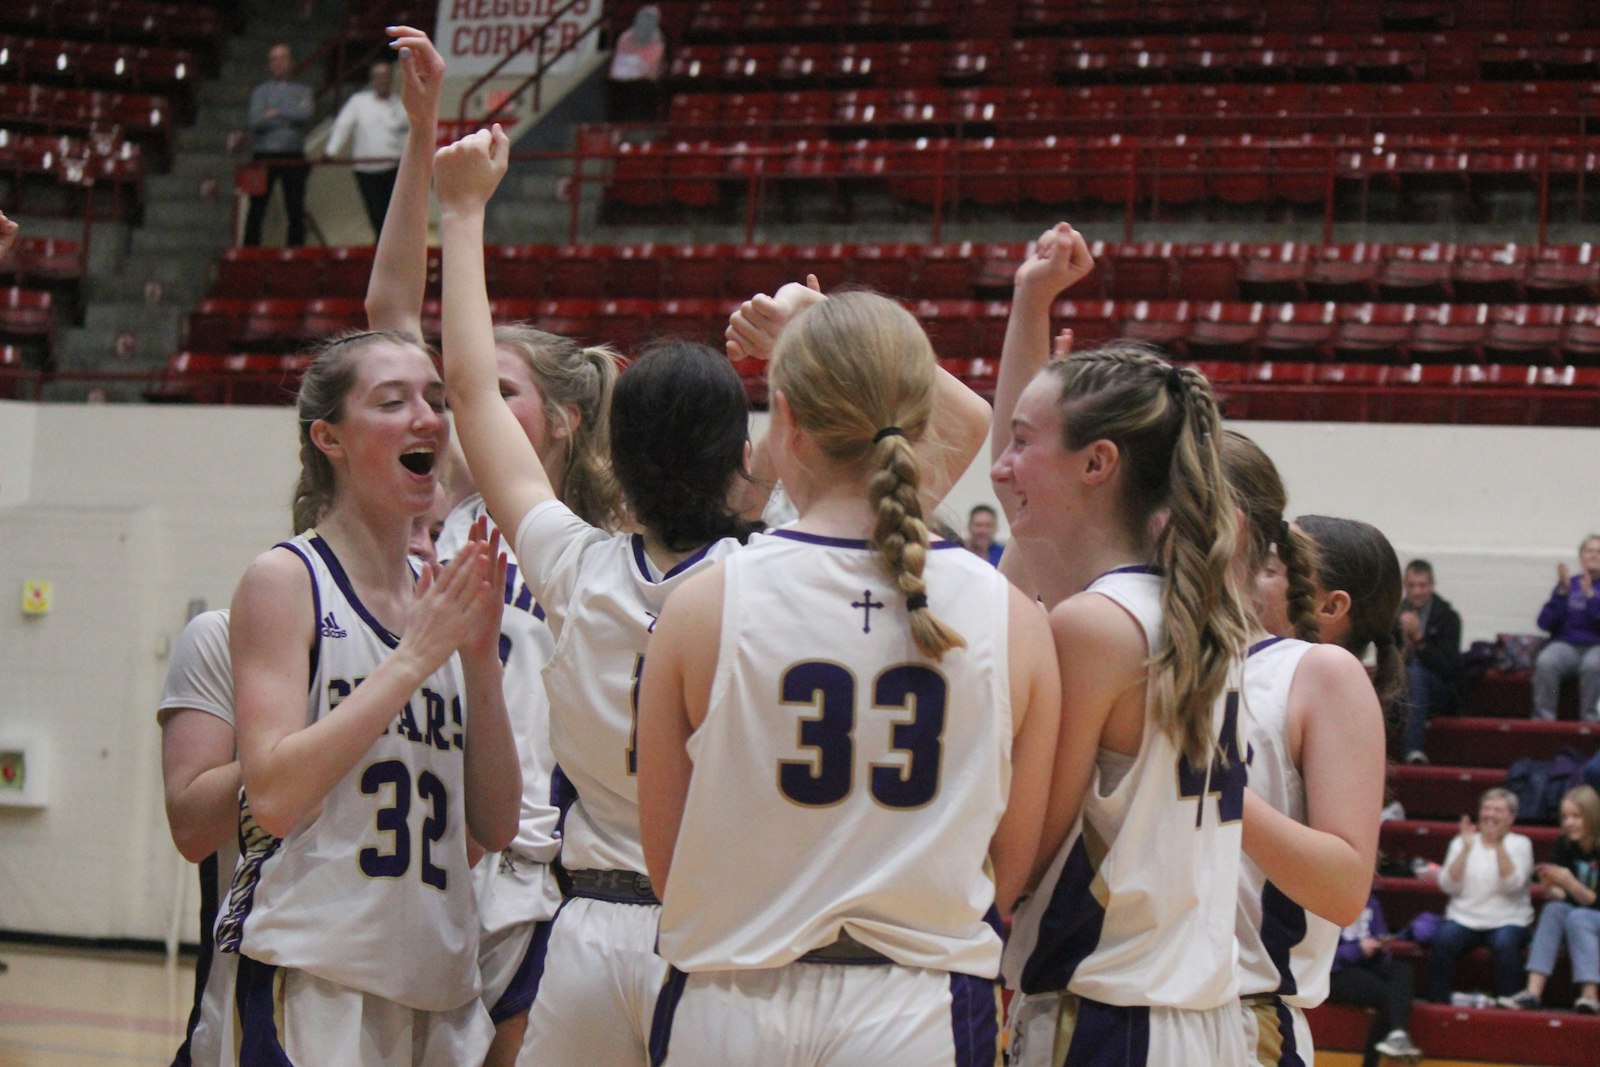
[(1498, 742), (1546, 1038)]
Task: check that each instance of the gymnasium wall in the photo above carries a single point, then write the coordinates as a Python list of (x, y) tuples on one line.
[(132, 512)]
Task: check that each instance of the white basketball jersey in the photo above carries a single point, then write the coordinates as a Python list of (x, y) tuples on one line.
[(1283, 949), (516, 885), (1138, 907), (844, 781), (372, 892), (602, 596), (200, 676)]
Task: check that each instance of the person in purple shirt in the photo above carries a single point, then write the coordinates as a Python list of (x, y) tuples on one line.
[(1366, 975), (1572, 618), (980, 534)]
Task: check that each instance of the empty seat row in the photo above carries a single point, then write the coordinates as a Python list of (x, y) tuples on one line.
[(194, 24), (1152, 270), (88, 64), (1393, 334), (1008, 172), (143, 118), (1477, 108), (1037, 61), (735, 20)]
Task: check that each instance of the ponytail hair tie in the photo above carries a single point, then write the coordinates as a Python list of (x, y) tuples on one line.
[(916, 601), (888, 431), (1283, 531), (1174, 381)]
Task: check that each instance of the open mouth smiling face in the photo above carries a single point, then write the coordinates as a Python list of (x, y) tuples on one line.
[(419, 460)]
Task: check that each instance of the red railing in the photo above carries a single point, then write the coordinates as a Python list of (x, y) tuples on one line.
[(534, 41)]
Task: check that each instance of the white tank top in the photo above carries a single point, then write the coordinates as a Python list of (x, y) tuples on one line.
[(373, 891), (1138, 907), (516, 885), (862, 780), (602, 596), (1283, 948)]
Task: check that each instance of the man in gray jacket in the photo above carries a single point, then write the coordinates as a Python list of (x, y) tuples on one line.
[(280, 113)]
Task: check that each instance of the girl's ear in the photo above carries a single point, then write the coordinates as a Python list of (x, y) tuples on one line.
[(325, 435), (1102, 458), (1334, 606)]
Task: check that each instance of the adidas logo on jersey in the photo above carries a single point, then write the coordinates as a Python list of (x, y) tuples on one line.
[(330, 628)]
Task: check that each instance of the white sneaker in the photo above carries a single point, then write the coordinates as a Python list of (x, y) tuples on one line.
[(1399, 1045)]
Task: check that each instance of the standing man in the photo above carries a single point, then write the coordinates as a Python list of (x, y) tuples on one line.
[(1430, 637), (375, 121), (980, 534), (280, 114)]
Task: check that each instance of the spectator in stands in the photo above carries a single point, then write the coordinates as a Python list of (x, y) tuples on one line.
[(1430, 640), (636, 64), (1572, 618), (1572, 907), (1485, 874), (1366, 975), (980, 534), (280, 113), (372, 125), (8, 234)]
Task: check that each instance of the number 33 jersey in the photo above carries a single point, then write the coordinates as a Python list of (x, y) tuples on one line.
[(372, 890), (1138, 906), (843, 781)]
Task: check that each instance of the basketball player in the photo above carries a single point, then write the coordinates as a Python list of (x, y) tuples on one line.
[(1314, 746), (200, 771), (367, 746), (851, 771), (679, 439), (1110, 473), (560, 394)]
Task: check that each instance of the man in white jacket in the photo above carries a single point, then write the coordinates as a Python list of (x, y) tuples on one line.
[(372, 125)]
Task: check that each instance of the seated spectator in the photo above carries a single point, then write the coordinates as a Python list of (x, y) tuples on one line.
[(1571, 889), (636, 64), (1366, 975), (1572, 618), (980, 535), (1430, 640), (1485, 874)]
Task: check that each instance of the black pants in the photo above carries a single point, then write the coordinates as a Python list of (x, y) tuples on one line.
[(376, 189), (294, 180), (1381, 982)]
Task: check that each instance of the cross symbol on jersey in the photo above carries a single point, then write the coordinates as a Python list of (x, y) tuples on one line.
[(865, 605)]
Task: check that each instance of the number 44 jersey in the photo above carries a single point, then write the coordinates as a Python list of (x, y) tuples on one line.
[(844, 782), (372, 890), (1137, 908)]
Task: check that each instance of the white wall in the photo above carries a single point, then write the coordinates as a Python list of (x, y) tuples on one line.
[(133, 511)]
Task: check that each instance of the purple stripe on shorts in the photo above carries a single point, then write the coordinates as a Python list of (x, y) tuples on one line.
[(666, 1009), (524, 986), (1289, 1056), (1109, 1035), (974, 1020), (259, 1042)]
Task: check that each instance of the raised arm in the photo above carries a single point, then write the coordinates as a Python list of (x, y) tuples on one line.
[(960, 419), (400, 265), (1059, 259), (289, 767), (503, 463), (1325, 865), (1035, 724)]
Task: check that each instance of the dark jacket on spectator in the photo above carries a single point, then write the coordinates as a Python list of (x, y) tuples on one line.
[(1440, 648)]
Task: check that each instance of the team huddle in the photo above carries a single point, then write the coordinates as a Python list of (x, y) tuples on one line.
[(699, 753)]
